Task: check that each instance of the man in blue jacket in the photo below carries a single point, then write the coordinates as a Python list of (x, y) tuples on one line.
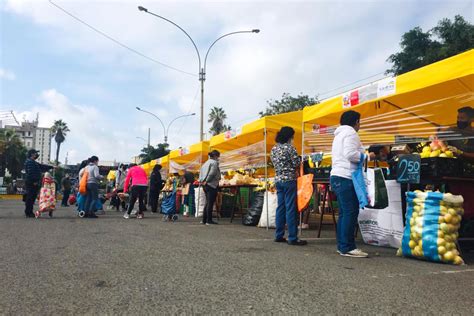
[(34, 172)]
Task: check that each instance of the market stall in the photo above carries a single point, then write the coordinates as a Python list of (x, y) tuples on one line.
[(192, 157), (414, 113), (248, 147)]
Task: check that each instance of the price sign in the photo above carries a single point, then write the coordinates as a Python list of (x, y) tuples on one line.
[(408, 169)]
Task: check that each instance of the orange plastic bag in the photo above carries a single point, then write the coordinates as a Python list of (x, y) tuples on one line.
[(83, 183), (305, 189)]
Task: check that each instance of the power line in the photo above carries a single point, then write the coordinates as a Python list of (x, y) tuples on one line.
[(119, 43), (350, 84)]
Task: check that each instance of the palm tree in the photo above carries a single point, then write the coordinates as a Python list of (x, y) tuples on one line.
[(217, 117), (59, 131), (12, 153)]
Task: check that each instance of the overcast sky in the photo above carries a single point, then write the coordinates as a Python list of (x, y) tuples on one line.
[(55, 66)]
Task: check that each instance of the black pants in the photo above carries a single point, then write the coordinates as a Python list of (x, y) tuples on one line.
[(66, 194), (211, 196), (91, 198), (138, 192), (32, 190), (153, 201)]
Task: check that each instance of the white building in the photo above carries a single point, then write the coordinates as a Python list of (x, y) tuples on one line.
[(34, 137)]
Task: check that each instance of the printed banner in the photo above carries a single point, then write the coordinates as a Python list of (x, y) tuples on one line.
[(375, 90)]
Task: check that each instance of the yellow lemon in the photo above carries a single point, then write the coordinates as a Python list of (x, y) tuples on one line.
[(450, 246), (448, 256), (441, 250), (449, 154), (440, 234), (452, 211), (411, 244), (448, 218), (440, 242), (458, 260), (435, 153)]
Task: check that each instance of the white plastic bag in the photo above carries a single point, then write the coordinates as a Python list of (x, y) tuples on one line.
[(272, 203), (377, 189), (200, 201), (384, 227)]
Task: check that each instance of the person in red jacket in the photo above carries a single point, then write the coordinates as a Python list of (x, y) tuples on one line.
[(137, 181)]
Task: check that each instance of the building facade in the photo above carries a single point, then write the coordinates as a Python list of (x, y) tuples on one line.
[(34, 137)]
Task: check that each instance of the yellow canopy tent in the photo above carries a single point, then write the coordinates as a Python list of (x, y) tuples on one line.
[(191, 157), (111, 175), (254, 132), (408, 107), (248, 147), (148, 167)]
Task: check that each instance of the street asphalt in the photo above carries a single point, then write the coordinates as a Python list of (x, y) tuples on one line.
[(107, 266)]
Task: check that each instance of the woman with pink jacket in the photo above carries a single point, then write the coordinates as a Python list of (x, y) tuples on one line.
[(137, 179)]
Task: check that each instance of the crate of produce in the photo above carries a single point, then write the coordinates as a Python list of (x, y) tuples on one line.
[(440, 167), (467, 169), (323, 173)]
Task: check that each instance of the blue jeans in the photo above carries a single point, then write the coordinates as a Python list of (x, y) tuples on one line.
[(91, 197), (348, 213), (286, 210)]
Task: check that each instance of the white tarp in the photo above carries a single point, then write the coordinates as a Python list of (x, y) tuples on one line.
[(384, 227)]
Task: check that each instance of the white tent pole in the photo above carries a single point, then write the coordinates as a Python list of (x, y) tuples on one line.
[(199, 189), (266, 171)]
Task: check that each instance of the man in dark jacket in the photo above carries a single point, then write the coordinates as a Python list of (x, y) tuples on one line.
[(34, 172), (66, 186)]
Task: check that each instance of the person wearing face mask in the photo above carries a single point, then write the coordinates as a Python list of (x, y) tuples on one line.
[(463, 146), (209, 177), (347, 152), (33, 171)]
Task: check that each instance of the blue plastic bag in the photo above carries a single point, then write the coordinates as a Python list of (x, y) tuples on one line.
[(359, 183)]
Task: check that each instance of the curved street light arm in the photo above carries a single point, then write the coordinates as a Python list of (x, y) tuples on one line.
[(167, 130), (167, 20), (142, 110), (225, 35)]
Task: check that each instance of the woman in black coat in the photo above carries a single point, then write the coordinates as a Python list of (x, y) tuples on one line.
[(156, 184)]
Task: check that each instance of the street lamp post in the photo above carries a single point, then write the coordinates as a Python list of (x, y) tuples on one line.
[(165, 129), (202, 70)]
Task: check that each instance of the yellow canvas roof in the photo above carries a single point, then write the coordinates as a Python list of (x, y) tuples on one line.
[(253, 132), (191, 153), (414, 104)]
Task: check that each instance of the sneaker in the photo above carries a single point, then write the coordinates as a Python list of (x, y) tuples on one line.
[(126, 216), (356, 253), (202, 223), (140, 216), (133, 213), (283, 239), (297, 242)]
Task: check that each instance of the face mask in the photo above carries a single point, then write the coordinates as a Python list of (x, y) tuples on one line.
[(462, 124)]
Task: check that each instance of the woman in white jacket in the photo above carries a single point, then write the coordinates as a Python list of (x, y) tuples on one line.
[(347, 152)]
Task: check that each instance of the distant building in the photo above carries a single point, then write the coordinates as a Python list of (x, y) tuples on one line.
[(34, 137)]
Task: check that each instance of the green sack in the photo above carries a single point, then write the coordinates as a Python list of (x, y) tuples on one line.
[(377, 190)]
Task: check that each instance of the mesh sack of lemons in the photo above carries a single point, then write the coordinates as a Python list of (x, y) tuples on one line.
[(432, 223)]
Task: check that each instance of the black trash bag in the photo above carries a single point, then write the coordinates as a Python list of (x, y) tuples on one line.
[(255, 211)]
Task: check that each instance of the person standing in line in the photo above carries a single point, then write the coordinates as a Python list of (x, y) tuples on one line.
[(33, 171), (286, 161), (66, 188), (120, 176), (93, 180), (156, 184), (347, 153), (209, 177), (137, 178)]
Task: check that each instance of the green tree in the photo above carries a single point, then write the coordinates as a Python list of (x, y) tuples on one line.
[(420, 48), (217, 117), (59, 131), (288, 104), (150, 153), (12, 153)]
